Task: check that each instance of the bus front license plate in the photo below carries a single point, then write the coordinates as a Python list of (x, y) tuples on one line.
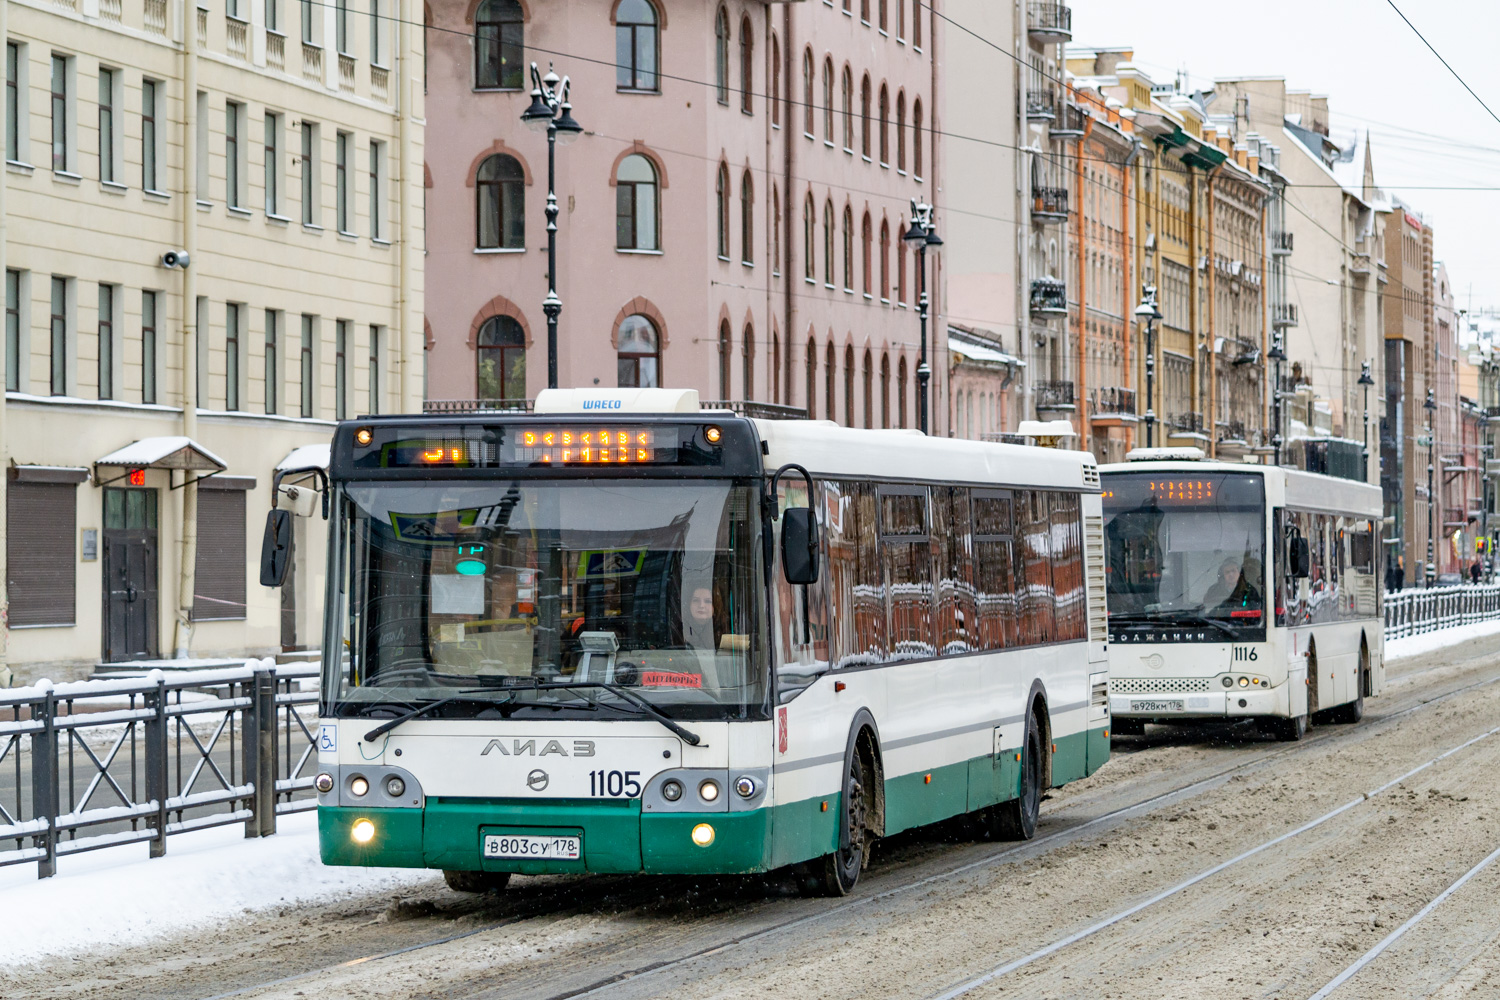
[(1156, 706), (544, 848)]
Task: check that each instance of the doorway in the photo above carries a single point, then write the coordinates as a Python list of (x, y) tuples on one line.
[(130, 574)]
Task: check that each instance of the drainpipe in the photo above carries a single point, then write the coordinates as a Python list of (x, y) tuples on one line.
[(407, 399), (1266, 282), (789, 302), (1025, 171), (1080, 399), (187, 573), (1213, 326), (4, 441), (1126, 309)]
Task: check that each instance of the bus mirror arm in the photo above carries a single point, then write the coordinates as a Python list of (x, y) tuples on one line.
[(299, 498), (799, 532)]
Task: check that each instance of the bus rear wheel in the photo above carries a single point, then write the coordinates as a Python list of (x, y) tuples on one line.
[(1285, 730), (1016, 819), (476, 881), (1352, 711)]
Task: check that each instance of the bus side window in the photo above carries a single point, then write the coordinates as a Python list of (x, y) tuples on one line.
[(801, 648), (906, 555), (957, 619)]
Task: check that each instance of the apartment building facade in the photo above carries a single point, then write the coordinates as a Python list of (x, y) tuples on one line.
[(731, 220), (273, 145), (1410, 360)]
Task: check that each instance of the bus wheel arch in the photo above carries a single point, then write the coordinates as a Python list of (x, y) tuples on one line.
[(836, 874)]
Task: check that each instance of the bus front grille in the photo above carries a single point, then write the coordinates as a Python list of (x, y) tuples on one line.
[(1158, 685)]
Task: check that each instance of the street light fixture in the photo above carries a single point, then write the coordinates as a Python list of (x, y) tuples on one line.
[(551, 112), (1431, 575), (1366, 381), (920, 234), (1278, 355), (1148, 312)]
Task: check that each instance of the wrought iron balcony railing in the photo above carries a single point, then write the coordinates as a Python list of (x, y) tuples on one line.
[(1053, 395), (1049, 202), (1050, 22), (1049, 297)]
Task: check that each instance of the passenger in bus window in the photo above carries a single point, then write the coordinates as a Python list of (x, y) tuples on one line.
[(1233, 587), (699, 628)]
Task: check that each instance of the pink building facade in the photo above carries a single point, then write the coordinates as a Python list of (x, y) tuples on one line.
[(730, 221)]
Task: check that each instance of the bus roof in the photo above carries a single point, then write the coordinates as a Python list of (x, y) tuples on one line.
[(1289, 487)]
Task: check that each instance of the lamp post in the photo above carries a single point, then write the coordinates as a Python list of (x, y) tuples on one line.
[(1366, 381), (920, 234), (1278, 355), (550, 112), (1431, 573), (1147, 311)]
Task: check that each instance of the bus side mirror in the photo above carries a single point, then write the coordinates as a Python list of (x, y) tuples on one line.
[(799, 545), (1299, 557), (276, 548)]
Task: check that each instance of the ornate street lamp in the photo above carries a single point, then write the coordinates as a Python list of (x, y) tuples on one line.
[(1148, 313), (1366, 381), (550, 112), (1431, 575), (920, 234), (1277, 355)]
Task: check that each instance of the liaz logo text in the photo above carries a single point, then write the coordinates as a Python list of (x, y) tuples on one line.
[(601, 404), (528, 748)]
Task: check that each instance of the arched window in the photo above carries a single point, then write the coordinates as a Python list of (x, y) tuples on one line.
[(498, 45), (775, 81), (721, 193), (830, 383), (809, 240), (864, 116), (721, 56), (500, 360), (901, 131), (916, 23), (726, 352), (747, 363), (638, 357), (916, 138), (500, 204), (848, 249), (867, 237), (775, 229), (869, 374), (807, 93), (885, 126), (848, 94), (747, 66), (901, 392), (811, 378), (776, 368), (828, 237), (747, 219), (885, 390), (637, 46), (636, 204), (849, 385), (828, 100), (885, 261), (901, 272)]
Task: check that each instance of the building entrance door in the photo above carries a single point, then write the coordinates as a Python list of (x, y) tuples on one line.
[(130, 574)]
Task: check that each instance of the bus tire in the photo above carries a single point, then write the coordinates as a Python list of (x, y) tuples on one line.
[(1016, 819), (1127, 727), (1285, 730), (1352, 711), (476, 881), (836, 874)]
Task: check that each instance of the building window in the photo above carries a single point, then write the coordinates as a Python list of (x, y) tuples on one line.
[(775, 230), (638, 357), (747, 220), (273, 164), (233, 182), (108, 78), (848, 110), (885, 261), (15, 101), (499, 46), (775, 82), (41, 527), (636, 46), (809, 240), (882, 17), (62, 130), (341, 369), (377, 52), (341, 26), (810, 378), (864, 116), (776, 368), (150, 139), (219, 579), (721, 56), (916, 138), (375, 384), (309, 22), (148, 347), (807, 93), (309, 174), (747, 67), (828, 101), (500, 201), (722, 210), (828, 239), (866, 241), (916, 23), (885, 390), (848, 249), (501, 360), (200, 346), (344, 147), (747, 363), (305, 374), (377, 190), (885, 126), (901, 131), (200, 137), (273, 16), (273, 361), (726, 353), (233, 341), (869, 386), (13, 331), (849, 385), (830, 383), (58, 339), (106, 341), (636, 204)]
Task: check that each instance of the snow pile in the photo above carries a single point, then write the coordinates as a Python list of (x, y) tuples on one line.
[(206, 879), (1427, 642)]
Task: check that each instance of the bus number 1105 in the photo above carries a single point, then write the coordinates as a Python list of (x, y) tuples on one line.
[(614, 784)]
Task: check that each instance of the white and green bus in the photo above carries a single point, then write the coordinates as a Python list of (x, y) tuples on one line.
[(1240, 591), (623, 634)]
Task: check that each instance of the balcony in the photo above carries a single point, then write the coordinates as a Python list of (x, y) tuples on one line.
[(1048, 203), (236, 38), (275, 49), (312, 62), (1070, 122), (1041, 105), (1232, 430), (346, 73), (1112, 401), (156, 17), (1049, 22), (1281, 244), (380, 82), (1283, 315), (1053, 395), (1049, 297), (1185, 423)]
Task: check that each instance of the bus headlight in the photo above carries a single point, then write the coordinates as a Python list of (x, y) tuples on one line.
[(358, 786), (745, 786), (1229, 682), (323, 782), (395, 787), (671, 790), (703, 835), (708, 791), (362, 832), (1244, 682)]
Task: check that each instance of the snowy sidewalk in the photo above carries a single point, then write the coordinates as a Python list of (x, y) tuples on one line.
[(1427, 642)]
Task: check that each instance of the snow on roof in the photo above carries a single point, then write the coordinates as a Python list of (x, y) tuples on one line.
[(979, 352), (148, 451), (308, 456)]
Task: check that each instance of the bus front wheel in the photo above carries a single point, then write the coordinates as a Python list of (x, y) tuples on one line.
[(836, 874), (476, 881)]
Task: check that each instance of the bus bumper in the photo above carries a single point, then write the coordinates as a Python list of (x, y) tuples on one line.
[(1235, 702), (616, 837)]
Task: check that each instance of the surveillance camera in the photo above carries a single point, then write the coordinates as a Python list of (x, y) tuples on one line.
[(174, 258)]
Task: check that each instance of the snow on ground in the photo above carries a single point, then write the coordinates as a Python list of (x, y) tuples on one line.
[(207, 878), (1427, 642)]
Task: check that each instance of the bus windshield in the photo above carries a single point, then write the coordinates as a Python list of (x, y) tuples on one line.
[(1186, 551), (519, 596)]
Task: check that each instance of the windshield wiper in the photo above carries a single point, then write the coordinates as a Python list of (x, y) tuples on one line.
[(690, 737), (1168, 618), (465, 695)]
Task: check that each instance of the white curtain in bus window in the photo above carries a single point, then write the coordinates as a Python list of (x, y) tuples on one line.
[(907, 551), (994, 568), (957, 616)]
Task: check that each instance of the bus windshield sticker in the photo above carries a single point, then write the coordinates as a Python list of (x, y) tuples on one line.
[(610, 563), (670, 678)]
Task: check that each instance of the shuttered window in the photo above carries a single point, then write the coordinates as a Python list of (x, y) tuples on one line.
[(219, 593), (41, 524)]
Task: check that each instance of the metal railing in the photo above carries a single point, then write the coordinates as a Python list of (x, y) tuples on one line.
[(1053, 395), (1283, 314), (1414, 612), (755, 410), (1111, 399), (1049, 202), (1041, 104), (1189, 423), (1232, 430), (1281, 243), (96, 764), (477, 405), (1050, 20), (1049, 296)]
